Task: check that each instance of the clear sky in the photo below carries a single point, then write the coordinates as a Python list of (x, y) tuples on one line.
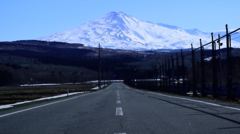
[(31, 19)]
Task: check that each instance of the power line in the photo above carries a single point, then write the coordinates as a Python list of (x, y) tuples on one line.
[(235, 37), (236, 32), (209, 44)]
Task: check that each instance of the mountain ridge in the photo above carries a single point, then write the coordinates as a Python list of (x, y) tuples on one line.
[(123, 31)]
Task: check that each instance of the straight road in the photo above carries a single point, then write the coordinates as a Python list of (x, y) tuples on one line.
[(119, 109)]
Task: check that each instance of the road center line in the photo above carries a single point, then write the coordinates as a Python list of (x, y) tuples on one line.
[(118, 93), (118, 102), (119, 111)]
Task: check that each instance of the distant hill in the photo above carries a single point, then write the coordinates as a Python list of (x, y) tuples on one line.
[(32, 61)]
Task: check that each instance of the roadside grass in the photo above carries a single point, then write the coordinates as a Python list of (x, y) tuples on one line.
[(10, 95), (39, 101)]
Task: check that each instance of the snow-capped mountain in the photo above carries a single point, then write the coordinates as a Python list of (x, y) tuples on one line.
[(122, 31)]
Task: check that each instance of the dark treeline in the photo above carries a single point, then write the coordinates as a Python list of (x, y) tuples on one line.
[(21, 64)]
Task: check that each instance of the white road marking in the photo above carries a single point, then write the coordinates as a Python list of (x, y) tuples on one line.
[(118, 102), (208, 103), (36, 107), (119, 111), (120, 133), (118, 93)]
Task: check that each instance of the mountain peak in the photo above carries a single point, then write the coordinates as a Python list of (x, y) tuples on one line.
[(118, 30), (113, 13), (112, 17), (116, 16)]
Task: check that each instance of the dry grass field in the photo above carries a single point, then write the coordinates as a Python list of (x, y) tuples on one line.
[(11, 94)]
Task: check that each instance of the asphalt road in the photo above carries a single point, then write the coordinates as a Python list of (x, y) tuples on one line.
[(122, 110)]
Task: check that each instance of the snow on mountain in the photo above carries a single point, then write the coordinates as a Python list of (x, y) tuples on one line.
[(122, 31)]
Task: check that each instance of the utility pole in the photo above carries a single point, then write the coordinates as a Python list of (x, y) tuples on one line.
[(194, 82), (160, 76), (203, 84), (169, 75), (177, 72), (172, 75), (99, 67), (183, 73), (164, 75), (214, 85), (229, 64), (220, 63)]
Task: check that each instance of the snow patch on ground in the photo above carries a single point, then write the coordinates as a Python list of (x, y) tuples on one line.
[(96, 88), (40, 99), (47, 84)]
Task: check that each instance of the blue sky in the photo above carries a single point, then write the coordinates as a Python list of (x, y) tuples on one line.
[(31, 19)]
